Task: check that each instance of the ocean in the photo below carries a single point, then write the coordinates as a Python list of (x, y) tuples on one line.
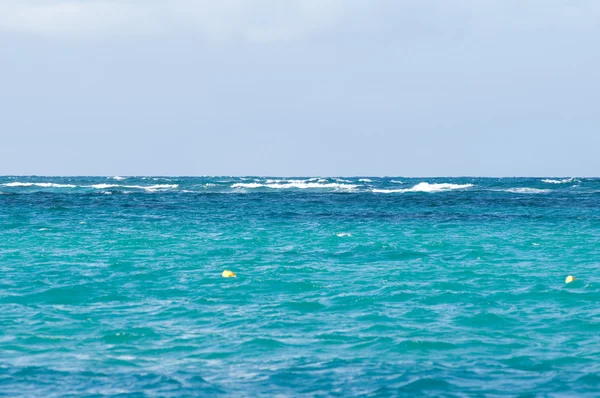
[(350, 286)]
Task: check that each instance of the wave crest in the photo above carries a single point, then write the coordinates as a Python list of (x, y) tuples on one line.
[(145, 187), (563, 181), (39, 184), (427, 187), (297, 185), (527, 190)]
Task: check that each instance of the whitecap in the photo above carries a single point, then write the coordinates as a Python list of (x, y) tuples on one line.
[(427, 187), (526, 190), (388, 190), (145, 187), (247, 185), (103, 186), (119, 178), (157, 187), (365, 180), (563, 181), (343, 234), (298, 185), (396, 182), (38, 184)]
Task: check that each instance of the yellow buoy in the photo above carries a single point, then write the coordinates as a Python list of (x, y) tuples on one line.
[(228, 274), (569, 279)]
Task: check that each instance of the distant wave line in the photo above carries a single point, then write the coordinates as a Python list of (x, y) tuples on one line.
[(427, 187), (563, 181), (298, 185)]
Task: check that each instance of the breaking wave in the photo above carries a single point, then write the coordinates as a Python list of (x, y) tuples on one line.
[(526, 190), (39, 184), (563, 181), (156, 187), (296, 184), (427, 187)]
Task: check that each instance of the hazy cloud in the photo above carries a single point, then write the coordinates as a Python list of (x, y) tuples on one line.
[(274, 20), (251, 20)]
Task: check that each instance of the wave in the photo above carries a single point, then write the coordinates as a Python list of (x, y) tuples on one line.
[(247, 185), (563, 181), (145, 187), (284, 180), (296, 184), (118, 178), (156, 187), (38, 184), (526, 190), (396, 182), (103, 186), (427, 187), (365, 180)]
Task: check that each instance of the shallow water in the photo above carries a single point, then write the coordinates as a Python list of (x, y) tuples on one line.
[(346, 286)]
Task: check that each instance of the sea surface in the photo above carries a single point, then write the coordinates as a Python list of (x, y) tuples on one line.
[(362, 286)]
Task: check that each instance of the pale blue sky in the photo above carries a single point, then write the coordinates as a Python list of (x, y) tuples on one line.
[(300, 87)]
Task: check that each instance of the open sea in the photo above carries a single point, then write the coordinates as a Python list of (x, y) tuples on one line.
[(362, 286)]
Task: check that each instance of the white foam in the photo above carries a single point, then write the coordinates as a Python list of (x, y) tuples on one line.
[(298, 184), (103, 186), (247, 185), (156, 187), (38, 184), (526, 190), (396, 182), (145, 187), (343, 234), (291, 180), (563, 181), (118, 178), (427, 187), (388, 190), (365, 180)]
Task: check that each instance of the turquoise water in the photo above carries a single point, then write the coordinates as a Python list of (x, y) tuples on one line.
[(345, 286)]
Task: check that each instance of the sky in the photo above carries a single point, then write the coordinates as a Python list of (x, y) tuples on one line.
[(300, 87)]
